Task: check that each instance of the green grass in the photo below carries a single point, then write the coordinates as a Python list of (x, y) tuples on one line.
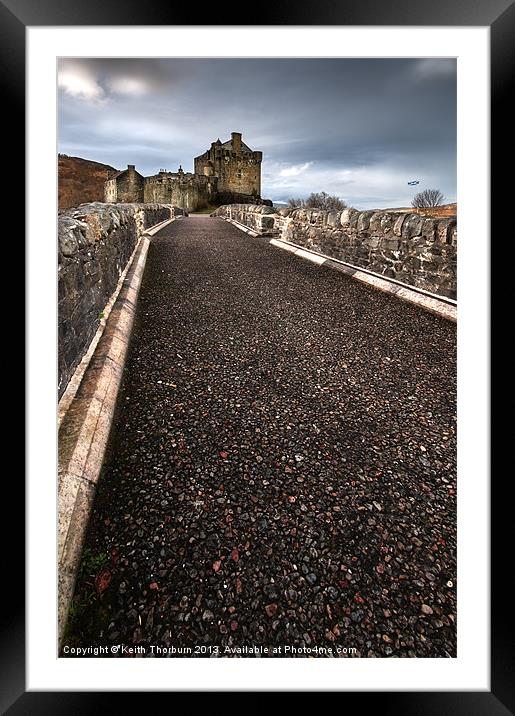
[(91, 564), (85, 595)]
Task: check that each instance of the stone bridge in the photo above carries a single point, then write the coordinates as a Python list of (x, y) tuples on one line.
[(269, 462)]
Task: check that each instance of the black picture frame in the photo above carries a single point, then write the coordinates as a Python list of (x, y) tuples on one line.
[(499, 15)]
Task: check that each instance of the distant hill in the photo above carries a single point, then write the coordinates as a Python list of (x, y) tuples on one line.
[(437, 212), (441, 211), (81, 180)]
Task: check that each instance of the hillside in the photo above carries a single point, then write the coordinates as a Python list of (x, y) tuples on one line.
[(440, 211), (81, 180), (437, 212)]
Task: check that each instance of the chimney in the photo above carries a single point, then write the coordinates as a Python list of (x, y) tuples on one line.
[(236, 141), (131, 167)]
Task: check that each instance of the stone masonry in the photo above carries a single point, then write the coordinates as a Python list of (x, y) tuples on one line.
[(237, 167), (408, 247), (95, 242), (189, 191), (125, 187), (227, 173)]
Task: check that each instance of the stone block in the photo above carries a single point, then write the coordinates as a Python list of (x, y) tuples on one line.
[(372, 242), (364, 220), (353, 223), (390, 244), (444, 230), (68, 244), (412, 226), (397, 227), (429, 229), (346, 215), (93, 228), (267, 223), (376, 221), (387, 223)]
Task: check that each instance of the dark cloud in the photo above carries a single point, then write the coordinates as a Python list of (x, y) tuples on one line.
[(361, 128)]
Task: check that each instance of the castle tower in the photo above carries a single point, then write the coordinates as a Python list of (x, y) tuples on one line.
[(236, 166)]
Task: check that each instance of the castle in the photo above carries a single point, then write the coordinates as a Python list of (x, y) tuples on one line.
[(227, 173)]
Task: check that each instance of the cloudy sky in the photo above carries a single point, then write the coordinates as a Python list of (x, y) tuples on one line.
[(357, 128)]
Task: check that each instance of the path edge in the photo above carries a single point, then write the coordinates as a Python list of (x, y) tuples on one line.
[(440, 306), (86, 425)]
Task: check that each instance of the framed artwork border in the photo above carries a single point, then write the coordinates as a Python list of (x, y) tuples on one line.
[(499, 16)]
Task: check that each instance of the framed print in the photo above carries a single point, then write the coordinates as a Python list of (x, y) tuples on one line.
[(271, 463)]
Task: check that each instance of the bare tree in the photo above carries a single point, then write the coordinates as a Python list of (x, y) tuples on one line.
[(319, 200), (428, 198), (295, 203)]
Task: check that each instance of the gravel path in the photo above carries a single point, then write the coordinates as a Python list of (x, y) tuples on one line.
[(283, 469)]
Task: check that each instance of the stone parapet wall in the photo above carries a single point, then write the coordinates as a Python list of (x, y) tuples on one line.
[(260, 218), (95, 243), (418, 250)]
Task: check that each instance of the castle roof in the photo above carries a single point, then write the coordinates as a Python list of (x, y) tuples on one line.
[(122, 171), (228, 145)]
